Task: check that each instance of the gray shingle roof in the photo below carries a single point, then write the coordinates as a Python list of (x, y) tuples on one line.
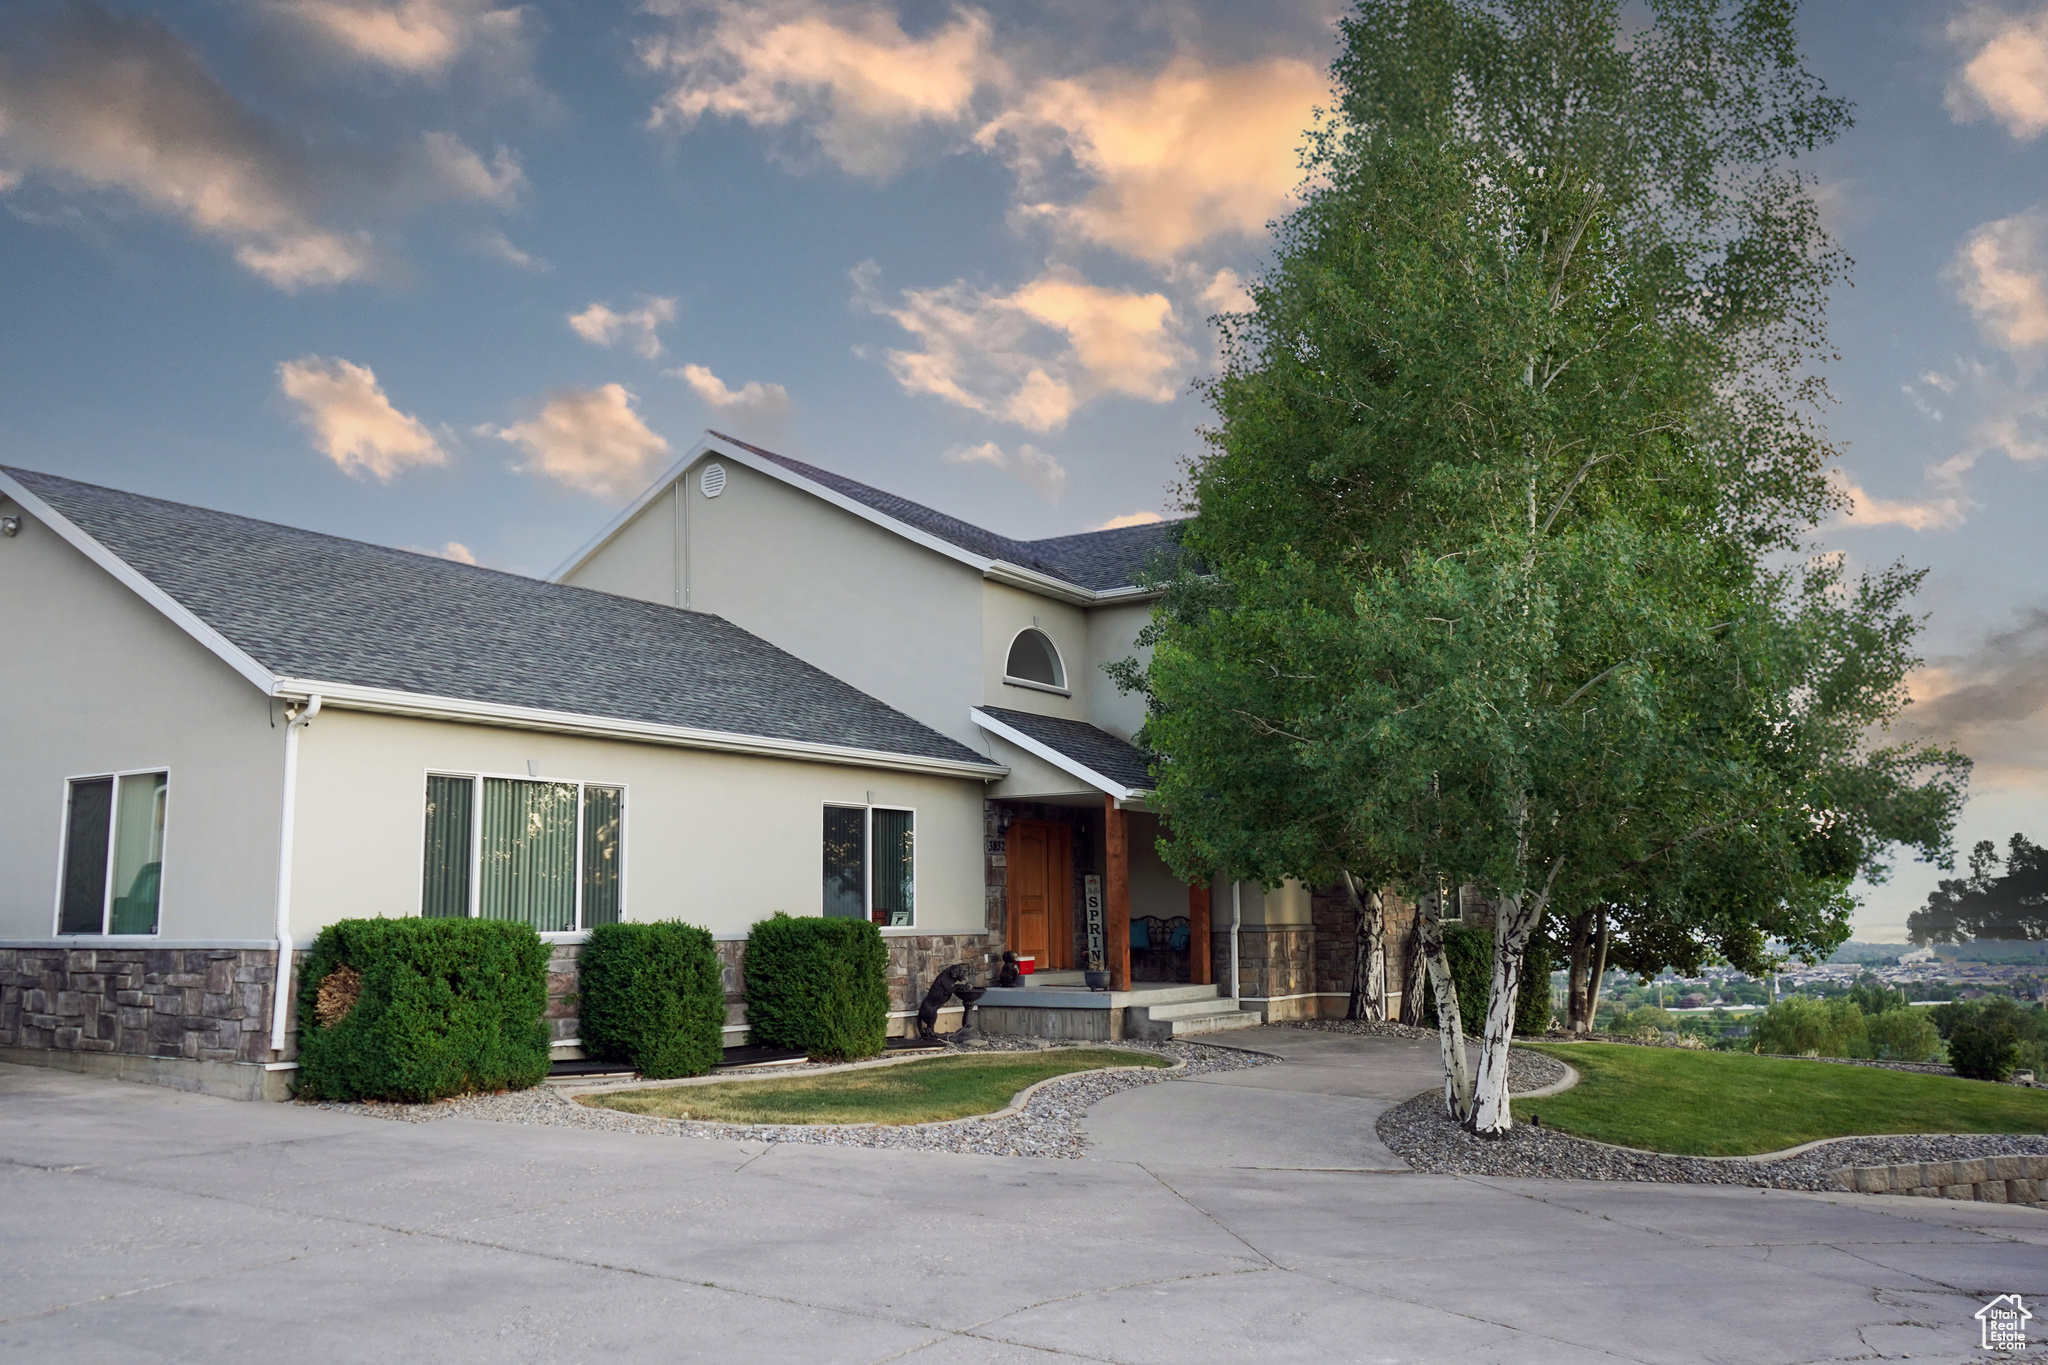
[(1097, 560), (1096, 750), (306, 605)]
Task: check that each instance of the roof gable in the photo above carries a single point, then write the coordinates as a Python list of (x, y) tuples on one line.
[(1081, 567), (306, 606)]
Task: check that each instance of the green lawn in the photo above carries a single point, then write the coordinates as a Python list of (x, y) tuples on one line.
[(1739, 1104), (910, 1092)]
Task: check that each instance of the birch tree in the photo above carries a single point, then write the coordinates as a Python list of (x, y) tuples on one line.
[(1508, 448)]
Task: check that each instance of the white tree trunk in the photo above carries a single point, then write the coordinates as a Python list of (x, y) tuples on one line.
[(1514, 920), (1411, 986), (1450, 1027), (1369, 957)]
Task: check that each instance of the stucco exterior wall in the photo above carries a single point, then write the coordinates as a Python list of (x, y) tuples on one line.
[(1112, 635), (719, 840), (890, 617), (94, 680), (1008, 611), (640, 560)]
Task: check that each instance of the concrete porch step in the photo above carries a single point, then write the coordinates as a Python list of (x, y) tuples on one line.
[(1162, 1023), (1189, 1009)]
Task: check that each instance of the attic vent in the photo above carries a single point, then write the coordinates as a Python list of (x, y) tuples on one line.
[(712, 480)]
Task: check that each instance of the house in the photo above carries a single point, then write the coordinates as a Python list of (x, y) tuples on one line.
[(763, 687)]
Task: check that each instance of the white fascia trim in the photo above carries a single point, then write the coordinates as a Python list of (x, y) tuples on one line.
[(385, 701), (1011, 735), (632, 510), (1045, 585), (1016, 575), (226, 650)]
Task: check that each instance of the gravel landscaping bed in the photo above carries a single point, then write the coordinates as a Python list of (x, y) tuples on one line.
[(1049, 1126), (1421, 1134)]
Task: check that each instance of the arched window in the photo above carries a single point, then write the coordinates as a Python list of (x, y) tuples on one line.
[(1034, 660)]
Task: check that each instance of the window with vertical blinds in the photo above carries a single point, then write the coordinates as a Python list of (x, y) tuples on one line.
[(603, 810), (895, 885), (451, 804), (870, 864), (548, 854)]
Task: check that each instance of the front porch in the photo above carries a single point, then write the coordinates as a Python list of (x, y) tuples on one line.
[(1155, 1011)]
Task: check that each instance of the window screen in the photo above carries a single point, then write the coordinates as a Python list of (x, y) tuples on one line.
[(86, 834), (450, 806), (845, 862)]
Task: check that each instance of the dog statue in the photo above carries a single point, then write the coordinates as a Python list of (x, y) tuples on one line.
[(1009, 974), (943, 986)]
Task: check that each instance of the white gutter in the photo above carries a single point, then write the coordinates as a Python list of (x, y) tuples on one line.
[(281, 979), (1010, 734), (387, 701), (1236, 917)]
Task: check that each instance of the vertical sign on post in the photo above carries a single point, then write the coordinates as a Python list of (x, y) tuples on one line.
[(1098, 957)]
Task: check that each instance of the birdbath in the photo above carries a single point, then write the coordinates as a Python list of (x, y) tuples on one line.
[(967, 996)]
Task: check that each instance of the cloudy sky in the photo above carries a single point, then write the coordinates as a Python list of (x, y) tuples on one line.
[(462, 275)]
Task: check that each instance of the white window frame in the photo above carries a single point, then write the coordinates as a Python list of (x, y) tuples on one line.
[(476, 839), (1059, 662), (867, 859), (107, 896)]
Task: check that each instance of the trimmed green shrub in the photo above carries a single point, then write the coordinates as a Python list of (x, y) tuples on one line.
[(652, 996), (821, 985), (1984, 1049), (1468, 952), (1902, 1035), (420, 1009), (1532, 1004)]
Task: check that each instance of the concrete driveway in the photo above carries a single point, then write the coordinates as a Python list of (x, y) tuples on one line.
[(141, 1225), (1315, 1112)]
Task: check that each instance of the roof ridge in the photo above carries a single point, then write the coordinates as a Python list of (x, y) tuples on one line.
[(440, 561), (1027, 554)]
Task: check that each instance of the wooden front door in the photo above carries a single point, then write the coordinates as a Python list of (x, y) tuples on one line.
[(1041, 892)]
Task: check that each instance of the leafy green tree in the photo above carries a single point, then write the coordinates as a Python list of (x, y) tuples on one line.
[(1902, 1035), (1519, 423), (1826, 1028), (2012, 904)]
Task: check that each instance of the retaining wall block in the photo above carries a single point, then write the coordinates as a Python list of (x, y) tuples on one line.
[(2022, 1192), (1991, 1192)]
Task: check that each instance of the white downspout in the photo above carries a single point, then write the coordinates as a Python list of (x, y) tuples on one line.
[(1236, 918), (280, 991)]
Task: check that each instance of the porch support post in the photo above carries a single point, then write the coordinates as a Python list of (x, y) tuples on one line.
[(1201, 953), (1116, 843)]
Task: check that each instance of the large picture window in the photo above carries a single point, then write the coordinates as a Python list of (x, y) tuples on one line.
[(113, 854), (548, 854), (871, 864)]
